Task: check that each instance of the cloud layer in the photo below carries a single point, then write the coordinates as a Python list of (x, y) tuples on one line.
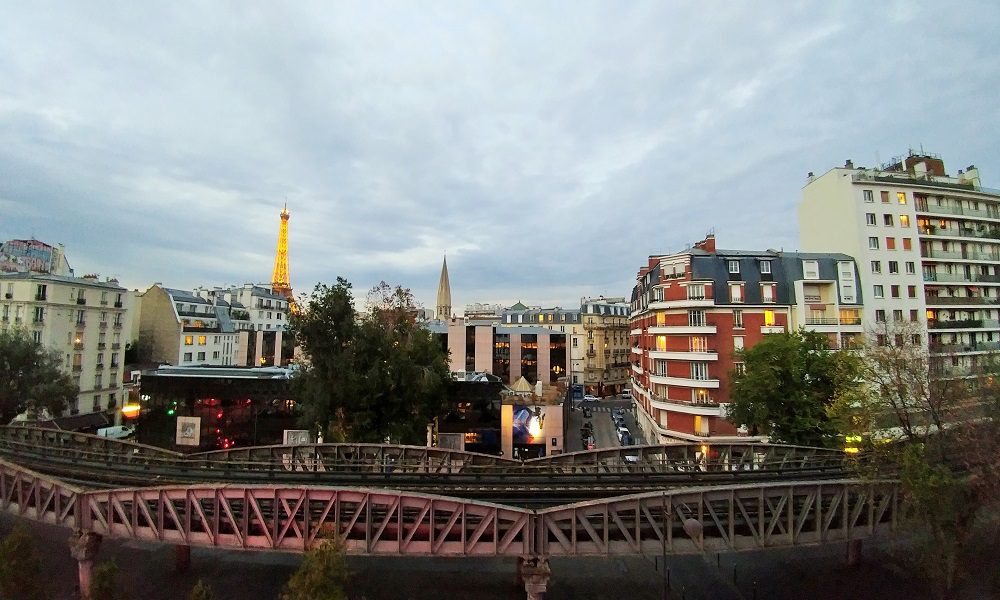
[(547, 147)]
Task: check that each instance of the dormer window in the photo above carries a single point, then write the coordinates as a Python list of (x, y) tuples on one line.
[(734, 266), (765, 266), (810, 269)]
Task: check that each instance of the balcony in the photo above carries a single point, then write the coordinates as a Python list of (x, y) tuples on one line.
[(959, 300), (115, 346), (8, 296), (948, 349), (196, 314), (100, 365), (117, 325), (103, 325), (77, 368), (708, 408), (98, 386), (81, 301), (682, 329), (104, 302), (112, 386), (114, 365), (81, 324), (822, 321), (684, 381), (956, 324), (118, 304), (40, 297), (766, 329), (956, 210), (698, 355), (38, 321), (959, 255), (101, 346)]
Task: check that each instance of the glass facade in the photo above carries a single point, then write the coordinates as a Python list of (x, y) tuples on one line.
[(557, 357), (501, 355), (529, 357)]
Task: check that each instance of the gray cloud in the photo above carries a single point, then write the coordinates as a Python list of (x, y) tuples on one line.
[(547, 148)]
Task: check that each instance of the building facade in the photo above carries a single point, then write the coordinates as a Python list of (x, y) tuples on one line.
[(606, 329), (693, 311), (83, 319), (928, 249), (556, 320)]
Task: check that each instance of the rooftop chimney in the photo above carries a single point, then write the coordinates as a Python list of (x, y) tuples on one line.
[(849, 164), (707, 244)]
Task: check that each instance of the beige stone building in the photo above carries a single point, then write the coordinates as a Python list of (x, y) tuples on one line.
[(606, 336), (81, 318)]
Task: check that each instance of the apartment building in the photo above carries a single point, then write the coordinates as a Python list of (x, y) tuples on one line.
[(928, 249), (83, 319), (556, 319), (692, 311), (223, 326), (607, 368)]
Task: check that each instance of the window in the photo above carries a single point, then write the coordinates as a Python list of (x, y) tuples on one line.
[(215, 355), (202, 340), (880, 316), (734, 266), (890, 243), (661, 343), (885, 197), (738, 319), (698, 343), (39, 315), (901, 197), (696, 291), (696, 318), (737, 342), (769, 318), (878, 291), (915, 339), (880, 340), (36, 336), (907, 244), (765, 266), (873, 243), (575, 342), (894, 291), (876, 266), (740, 368), (870, 219), (887, 220), (767, 293), (699, 370), (897, 316), (910, 267), (201, 356), (188, 340), (904, 220), (914, 315), (735, 292), (868, 196), (911, 291), (810, 269), (187, 357), (893, 266)]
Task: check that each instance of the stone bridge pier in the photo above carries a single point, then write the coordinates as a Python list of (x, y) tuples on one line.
[(534, 572), (83, 546)]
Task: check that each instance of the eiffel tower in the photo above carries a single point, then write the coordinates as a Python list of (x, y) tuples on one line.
[(279, 278)]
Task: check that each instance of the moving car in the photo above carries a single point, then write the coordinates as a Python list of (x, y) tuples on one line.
[(590, 398)]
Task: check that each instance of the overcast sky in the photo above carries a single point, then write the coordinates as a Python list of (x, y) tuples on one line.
[(547, 147)]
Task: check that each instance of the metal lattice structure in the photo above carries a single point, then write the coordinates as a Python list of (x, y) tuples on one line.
[(383, 522), (279, 278)]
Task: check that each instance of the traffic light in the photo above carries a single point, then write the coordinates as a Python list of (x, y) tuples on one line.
[(172, 408)]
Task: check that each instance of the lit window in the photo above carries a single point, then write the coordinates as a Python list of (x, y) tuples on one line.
[(188, 340), (769, 318), (901, 197), (202, 340), (661, 343), (904, 220)]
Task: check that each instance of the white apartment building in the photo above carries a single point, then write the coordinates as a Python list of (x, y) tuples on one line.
[(81, 318), (559, 320), (927, 247)]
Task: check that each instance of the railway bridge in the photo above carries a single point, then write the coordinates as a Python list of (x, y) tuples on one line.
[(385, 500)]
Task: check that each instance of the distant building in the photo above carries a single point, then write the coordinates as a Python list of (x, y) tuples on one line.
[(483, 313), (83, 320), (606, 326), (693, 310), (556, 319)]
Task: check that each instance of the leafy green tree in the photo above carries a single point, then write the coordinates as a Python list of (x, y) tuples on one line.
[(368, 376), (201, 591), (20, 567), (321, 576), (789, 381), (30, 378), (103, 584)]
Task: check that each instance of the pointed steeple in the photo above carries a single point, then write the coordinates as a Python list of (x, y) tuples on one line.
[(444, 293)]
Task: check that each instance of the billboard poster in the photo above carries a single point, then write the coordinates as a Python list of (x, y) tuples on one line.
[(25, 255), (188, 431), (529, 424), (296, 437)]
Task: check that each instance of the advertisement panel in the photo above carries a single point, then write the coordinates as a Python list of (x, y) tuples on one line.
[(188, 431)]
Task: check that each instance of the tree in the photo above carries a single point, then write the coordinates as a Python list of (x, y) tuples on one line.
[(321, 576), (103, 585), (201, 591), (20, 567), (30, 378), (371, 376), (789, 381)]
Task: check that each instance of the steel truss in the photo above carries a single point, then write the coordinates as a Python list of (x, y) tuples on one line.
[(392, 523)]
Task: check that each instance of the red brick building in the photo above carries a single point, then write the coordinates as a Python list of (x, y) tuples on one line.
[(692, 312)]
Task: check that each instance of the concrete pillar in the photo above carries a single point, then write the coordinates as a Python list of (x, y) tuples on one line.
[(854, 553), (83, 546), (535, 573), (182, 558), (277, 348), (258, 350)]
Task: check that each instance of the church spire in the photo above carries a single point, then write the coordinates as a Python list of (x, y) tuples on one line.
[(444, 293)]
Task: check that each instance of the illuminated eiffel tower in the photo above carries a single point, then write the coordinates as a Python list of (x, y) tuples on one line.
[(279, 279)]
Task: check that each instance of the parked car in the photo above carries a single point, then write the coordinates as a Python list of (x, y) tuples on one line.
[(590, 398), (627, 395), (626, 438), (623, 431)]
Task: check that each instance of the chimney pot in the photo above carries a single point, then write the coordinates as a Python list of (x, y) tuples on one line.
[(849, 164)]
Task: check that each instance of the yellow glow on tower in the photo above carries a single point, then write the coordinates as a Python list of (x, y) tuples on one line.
[(279, 278)]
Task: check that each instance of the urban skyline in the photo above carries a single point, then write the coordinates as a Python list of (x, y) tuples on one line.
[(503, 138)]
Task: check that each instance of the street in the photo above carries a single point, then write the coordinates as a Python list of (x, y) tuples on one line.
[(605, 435)]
